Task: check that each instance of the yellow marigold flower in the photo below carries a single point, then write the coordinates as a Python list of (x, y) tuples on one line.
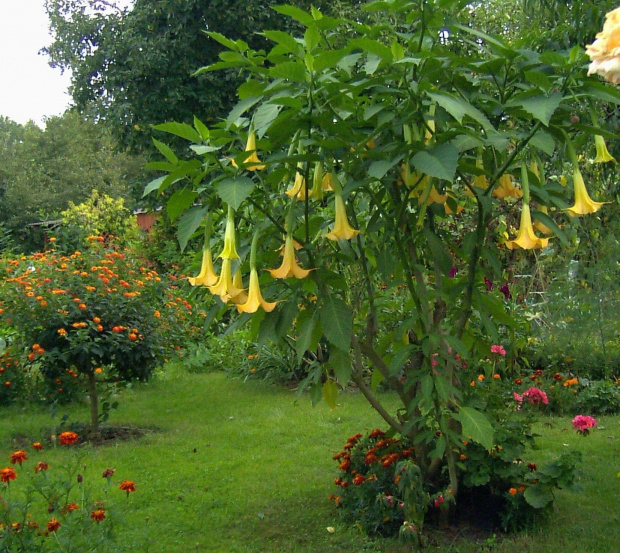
[(289, 267), (583, 203), (342, 229), (526, 237), (255, 299), (604, 52)]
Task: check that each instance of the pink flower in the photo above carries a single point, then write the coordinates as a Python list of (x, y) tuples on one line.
[(583, 423), (498, 349), (517, 397), (535, 395)]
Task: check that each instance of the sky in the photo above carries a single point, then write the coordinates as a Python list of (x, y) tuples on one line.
[(29, 88)]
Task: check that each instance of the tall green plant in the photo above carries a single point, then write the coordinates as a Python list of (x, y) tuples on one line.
[(376, 163)]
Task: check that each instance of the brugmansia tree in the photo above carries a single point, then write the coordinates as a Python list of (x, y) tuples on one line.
[(377, 171)]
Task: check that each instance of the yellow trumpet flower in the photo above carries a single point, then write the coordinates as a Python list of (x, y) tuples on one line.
[(255, 298), (602, 153), (252, 163), (327, 183), (507, 188), (224, 287), (316, 192), (526, 237), (299, 188), (538, 226), (289, 267), (342, 229), (230, 241), (237, 281), (207, 275), (583, 203)]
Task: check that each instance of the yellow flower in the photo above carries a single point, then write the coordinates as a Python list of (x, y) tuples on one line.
[(316, 193), (299, 186), (230, 242), (507, 188), (254, 297), (252, 163), (206, 276), (526, 237), (327, 183), (538, 226), (602, 153), (604, 53), (342, 230), (241, 297), (289, 265), (583, 203), (224, 287), (480, 181)]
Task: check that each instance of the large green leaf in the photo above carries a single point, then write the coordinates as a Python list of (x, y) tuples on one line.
[(235, 191), (337, 320), (476, 426), (439, 162), (438, 251), (297, 14), (285, 40), (289, 70), (179, 202), (540, 107), (304, 338), (189, 223), (537, 496), (459, 108), (166, 151), (180, 129), (330, 393), (340, 362)]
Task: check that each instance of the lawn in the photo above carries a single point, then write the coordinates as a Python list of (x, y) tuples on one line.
[(245, 467)]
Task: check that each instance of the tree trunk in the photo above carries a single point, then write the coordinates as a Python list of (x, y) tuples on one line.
[(94, 403)]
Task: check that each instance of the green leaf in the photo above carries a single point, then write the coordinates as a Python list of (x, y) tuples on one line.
[(330, 393), (264, 116), (337, 320), (298, 15), (544, 142), (189, 223), (340, 362), (540, 107), (378, 169), (537, 496), (427, 385), (476, 426), (289, 70), (230, 44), (235, 191), (459, 108), (153, 186), (375, 380), (371, 46), (304, 338), (166, 151), (400, 358), (603, 92), (312, 37), (201, 128), (328, 59), (439, 162), (438, 251), (180, 129), (549, 222), (179, 202), (241, 108), (285, 40), (442, 386)]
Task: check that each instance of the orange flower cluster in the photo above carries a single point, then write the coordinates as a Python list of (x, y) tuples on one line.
[(41, 466), (19, 457), (68, 438), (127, 486), (53, 525), (7, 474), (98, 515)]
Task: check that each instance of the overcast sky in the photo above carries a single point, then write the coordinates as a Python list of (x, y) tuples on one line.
[(29, 88)]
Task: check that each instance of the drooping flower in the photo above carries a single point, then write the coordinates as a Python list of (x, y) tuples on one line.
[(526, 237), (583, 423), (602, 153), (604, 52), (506, 188), (230, 241), (68, 438), (252, 163), (207, 275), (583, 203), (254, 297), (342, 229), (299, 188), (289, 266), (316, 192), (224, 287)]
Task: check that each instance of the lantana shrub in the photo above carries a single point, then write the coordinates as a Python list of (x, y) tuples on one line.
[(368, 163), (93, 317)]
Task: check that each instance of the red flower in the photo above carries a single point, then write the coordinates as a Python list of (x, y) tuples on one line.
[(108, 473), (7, 475), (98, 515), (41, 466), (127, 486), (68, 438), (37, 445), (70, 507), (358, 480), (53, 525), (19, 457)]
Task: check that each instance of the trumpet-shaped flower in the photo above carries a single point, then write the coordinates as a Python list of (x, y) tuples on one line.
[(254, 297), (207, 275), (507, 188), (242, 296), (538, 226), (602, 153), (342, 229), (604, 53), (289, 267), (583, 203), (230, 241), (224, 287), (299, 187), (327, 182), (316, 193), (526, 237), (252, 163)]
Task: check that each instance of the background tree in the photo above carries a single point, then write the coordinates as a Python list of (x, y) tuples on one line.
[(134, 67)]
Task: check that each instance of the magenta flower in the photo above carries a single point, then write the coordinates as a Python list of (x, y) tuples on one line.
[(535, 395), (517, 397), (583, 423), (504, 289), (499, 350)]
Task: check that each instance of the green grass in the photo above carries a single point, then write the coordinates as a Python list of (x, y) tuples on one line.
[(246, 467)]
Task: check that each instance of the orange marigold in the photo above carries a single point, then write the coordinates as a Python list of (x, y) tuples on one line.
[(127, 486), (41, 466), (37, 445), (68, 438), (70, 507), (98, 515), (19, 457), (512, 491), (53, 525), (7, 474)]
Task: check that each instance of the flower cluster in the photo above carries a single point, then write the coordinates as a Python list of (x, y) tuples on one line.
[(583, 424)]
